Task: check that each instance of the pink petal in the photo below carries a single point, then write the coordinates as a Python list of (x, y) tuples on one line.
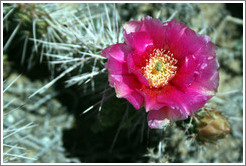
[(131, 26), (150, 98), (187, 102), (125, 84), (208, 75), (186, 73), (136, 69), (155, 28), (115, 67), (118, 51), (158, 119), (125, 87), (199, 66), (182, 41), (206, 38), (139, 41), (148, 32), (117, 55), (207, 87)]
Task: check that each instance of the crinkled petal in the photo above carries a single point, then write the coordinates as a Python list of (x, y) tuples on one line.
[(125, 84), (209, 86), (118, 51), (187, 71), (183, 41), (115, 67), (150, 98), (131, 26), (208, 77), (187, 102), (199, 66), (125, 87), (155, 28), (149, 31), (139, 41), (117, 56), (136, 69), (206, 38), (158, 119)]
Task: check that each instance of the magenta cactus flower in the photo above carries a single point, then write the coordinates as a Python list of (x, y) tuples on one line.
[(165, 67)]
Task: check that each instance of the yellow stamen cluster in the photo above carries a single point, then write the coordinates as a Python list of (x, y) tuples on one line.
[(160, 68)]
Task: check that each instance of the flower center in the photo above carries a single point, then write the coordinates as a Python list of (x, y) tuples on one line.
[(160, 68)]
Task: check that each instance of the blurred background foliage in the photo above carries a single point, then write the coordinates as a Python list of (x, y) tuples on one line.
[(58, 106)]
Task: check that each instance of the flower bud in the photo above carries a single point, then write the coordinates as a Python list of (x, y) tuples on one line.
[(212, 126)]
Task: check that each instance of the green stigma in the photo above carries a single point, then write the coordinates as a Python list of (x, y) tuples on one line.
[(158, 66)]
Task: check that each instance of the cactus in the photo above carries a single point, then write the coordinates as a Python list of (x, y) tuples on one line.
[(60, 45)]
